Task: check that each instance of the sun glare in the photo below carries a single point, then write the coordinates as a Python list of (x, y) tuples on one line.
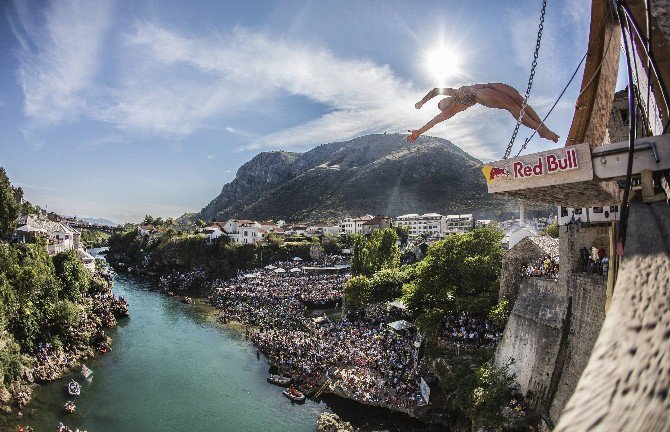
[(442, 63)]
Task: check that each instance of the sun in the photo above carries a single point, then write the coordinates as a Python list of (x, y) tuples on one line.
[(442, 63)]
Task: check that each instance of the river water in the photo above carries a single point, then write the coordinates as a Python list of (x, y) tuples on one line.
[(172, 368)]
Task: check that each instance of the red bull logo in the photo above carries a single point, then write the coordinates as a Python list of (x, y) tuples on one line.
[(491, 173)]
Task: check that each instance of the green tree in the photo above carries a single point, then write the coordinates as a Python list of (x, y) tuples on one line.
[(357, 292), (360, 260), (9, 206), (459, 273), (552, 230), (383, 249), (403, 233), (74, 277), (499, 313), (386, 285)]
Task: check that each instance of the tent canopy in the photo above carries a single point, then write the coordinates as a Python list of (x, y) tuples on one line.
[(296, 270), (401, 325), (280, 270), (297, 259), (270, 267)]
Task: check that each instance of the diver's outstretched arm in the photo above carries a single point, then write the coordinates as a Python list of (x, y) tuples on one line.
[(447, 91), (448, 113)]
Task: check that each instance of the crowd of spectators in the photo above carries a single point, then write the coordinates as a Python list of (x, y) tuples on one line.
[(88, 332), (359, 355), (545, 266), (594, 263), (463, 329)]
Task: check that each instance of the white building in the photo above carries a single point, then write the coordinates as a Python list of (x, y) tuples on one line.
[(592, 215), (322, 229), (377, 222), (515, 237), (353, 225), (243, 231), (459, 224), (59, 236), (483, 223), (213, 231), (87, 259), (432, 223), (271, 227)]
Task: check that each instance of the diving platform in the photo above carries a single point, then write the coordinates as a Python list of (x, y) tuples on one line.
[(579, 175)]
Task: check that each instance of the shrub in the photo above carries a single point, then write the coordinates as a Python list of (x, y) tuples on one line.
[(357, 292)]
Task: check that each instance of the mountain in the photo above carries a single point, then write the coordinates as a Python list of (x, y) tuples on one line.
[(98, 221), (375, 174)]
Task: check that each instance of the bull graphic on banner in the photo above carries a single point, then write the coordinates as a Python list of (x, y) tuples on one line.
[(491, 172)]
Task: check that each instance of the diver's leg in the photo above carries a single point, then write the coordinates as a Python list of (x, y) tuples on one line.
[(494, 99)]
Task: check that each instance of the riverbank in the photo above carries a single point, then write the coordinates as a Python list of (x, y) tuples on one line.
[(80, 343), (172, 370)]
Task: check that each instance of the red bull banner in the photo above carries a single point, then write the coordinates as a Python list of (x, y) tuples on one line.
[(563, 165)]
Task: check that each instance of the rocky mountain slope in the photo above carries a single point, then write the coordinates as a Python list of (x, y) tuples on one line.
[(376, 174)]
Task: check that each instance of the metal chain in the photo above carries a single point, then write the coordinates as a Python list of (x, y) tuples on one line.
[(538, 43)]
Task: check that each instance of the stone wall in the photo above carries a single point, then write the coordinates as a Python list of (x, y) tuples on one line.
[(586, 314), (625, 384), (532, 336), (554, 325)]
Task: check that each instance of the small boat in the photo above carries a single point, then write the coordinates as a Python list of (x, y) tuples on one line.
[(279, 380), (73, 388), (294, 394), (85, 371), (187, 300), (69, 407)]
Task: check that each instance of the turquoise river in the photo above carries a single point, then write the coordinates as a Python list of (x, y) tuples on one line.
[(173, 368)]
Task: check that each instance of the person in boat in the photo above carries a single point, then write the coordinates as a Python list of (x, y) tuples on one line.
[(492, 95)]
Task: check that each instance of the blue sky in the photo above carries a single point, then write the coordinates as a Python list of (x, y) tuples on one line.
[(119, 109)]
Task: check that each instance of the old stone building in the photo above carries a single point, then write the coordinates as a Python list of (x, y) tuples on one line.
[(554, 323), (526, 251)]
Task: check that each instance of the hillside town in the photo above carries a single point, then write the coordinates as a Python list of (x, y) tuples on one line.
[(430, 226)]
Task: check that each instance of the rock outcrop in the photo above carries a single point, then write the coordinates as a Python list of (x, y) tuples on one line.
[(328, 422)]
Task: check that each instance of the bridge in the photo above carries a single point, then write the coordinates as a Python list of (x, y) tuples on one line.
[(624, 386)]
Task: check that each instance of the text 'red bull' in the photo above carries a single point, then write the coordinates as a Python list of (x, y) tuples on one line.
[(548, 164)]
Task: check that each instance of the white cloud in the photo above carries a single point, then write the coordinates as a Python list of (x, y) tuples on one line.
[(60, 58), (243, 71), (240, 133), (170, 85)]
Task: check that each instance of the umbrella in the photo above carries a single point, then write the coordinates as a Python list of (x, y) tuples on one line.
[(270, 267), (280, 270), (295, 270), (297, 259), (401, 325)]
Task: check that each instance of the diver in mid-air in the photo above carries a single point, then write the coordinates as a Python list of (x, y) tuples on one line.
[(493, 95)]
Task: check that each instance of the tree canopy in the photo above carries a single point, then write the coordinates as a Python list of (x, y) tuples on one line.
[(459, 274), (9, 206)]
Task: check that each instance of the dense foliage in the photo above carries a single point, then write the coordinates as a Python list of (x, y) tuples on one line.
[(377, 252), (40, 298), (459, 274), (93, 238), (552, 230), (9, 205), (222, 258), (476, 397)]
